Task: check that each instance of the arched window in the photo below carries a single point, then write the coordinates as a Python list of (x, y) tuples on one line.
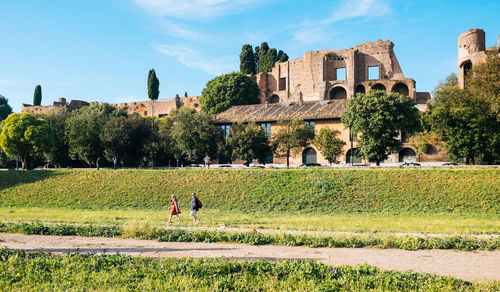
[(379, 86), (407, 155), (309, 156), (338, 93), (274, 99), (355, 156), (360, 89), (401, 88)]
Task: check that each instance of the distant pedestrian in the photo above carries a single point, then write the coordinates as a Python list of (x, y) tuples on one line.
[(207, 161), (98, 163), (174, 210), (195, 206), (115, 162)]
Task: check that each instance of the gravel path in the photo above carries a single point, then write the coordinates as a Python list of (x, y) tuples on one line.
[(477, 266)]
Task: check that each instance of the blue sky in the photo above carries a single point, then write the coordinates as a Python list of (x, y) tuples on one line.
[(101, 50)]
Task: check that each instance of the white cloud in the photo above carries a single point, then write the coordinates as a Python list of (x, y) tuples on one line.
[(318, 31), (192, 9), (194, 59), (359, 8)]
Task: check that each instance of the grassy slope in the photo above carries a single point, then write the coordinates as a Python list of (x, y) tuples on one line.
[(462, 191)]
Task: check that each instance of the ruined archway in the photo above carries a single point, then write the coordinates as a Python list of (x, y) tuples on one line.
[(309, 156), (467, 67), (401, 88), (379, 86), (274, 99), (407, 155), (355, 156), (338, 93), (360, 89)]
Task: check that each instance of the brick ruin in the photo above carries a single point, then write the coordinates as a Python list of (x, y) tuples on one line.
[(338, 74), (471, 51)]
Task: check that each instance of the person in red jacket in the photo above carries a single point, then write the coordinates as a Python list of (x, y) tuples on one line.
[(174, 210)]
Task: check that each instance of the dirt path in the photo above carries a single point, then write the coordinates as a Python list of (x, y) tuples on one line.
[(481, 265)]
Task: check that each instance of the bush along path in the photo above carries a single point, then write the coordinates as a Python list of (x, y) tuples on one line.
[(470, 266), (38, 271), (146, 231)]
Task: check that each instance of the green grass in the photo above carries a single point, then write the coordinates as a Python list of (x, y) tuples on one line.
[(148, 230), (20, 271), (318, 191), (371, 222)]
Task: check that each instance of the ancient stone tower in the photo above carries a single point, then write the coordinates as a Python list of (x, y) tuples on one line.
[(471, 50)]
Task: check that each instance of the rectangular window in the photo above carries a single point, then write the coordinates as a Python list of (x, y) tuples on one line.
[(225, 131), (311, 125), (373, 73), (341, 74), (282, 85), (266, 127)]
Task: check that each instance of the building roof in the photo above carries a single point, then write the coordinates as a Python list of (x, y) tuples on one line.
[(314, 110)]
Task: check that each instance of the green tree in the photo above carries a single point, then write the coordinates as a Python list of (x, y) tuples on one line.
[(247, 142), (247, 60), (153, 85), (380, 118), (83, 129), (5, 108), (37, 96), (228, 90), (153, 94), (329, 144), (266, 57), (166, 150), (58, 153), (292, 136), (193, 135), (126, 137), (185, 94), (23, 134)]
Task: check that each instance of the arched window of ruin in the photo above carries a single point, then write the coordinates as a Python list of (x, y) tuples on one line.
[(379, 86), (338, 93), (467, 67), (274, 99), (360, 89), (400, 88), (309, 155)]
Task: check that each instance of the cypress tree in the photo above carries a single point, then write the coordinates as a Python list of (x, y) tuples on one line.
[(37, 96), (153, 85), (247, 60), (185, 94)]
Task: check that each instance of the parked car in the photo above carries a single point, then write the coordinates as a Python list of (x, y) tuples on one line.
[(225, 165), (410, 164), (257, 166), (450, 164), (310, 165)]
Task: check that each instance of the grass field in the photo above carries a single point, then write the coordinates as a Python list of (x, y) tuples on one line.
[(23, 271), (459, 200), (410, 223)]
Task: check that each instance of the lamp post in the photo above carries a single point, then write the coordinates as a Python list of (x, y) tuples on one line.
[(351, 137)]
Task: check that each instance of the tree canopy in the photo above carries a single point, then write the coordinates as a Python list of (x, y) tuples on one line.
[(83, 130), (37, 95), (5, 108), (291, 137), (329, 144), (380, 118), (469, 119), (23, 134), (260, 60), (194, 136), (153, 85), (227, 90), (247, 142)]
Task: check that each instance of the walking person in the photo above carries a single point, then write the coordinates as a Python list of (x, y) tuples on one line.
[(98, 163), (195, 206), (115, 162), (207, 161), (174, 210)]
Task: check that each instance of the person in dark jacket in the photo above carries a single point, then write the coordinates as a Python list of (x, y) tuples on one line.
[(195, 205)]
